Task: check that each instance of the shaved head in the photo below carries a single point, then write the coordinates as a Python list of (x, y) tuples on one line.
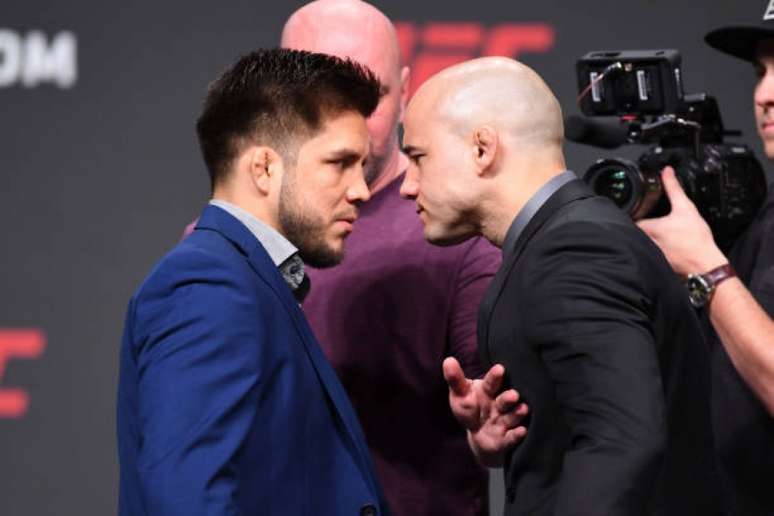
[(482, 137), (346, 28), (359, 31), (495, 91)]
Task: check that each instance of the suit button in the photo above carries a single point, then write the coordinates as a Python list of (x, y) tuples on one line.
[(510, 495), (368, 510)]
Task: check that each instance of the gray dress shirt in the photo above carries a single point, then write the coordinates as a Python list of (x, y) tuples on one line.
[(281, 251), (531, 208)]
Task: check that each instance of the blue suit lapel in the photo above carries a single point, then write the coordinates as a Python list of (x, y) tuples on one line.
[(216, 219), (337, 395)]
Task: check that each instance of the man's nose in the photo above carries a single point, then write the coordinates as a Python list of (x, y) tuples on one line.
[(410, 186), (358, 191), (764, 91)]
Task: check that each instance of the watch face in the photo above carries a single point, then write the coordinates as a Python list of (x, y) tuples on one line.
[(698, 290)]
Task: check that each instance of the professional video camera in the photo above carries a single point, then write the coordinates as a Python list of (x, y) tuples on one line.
[(644, 89)]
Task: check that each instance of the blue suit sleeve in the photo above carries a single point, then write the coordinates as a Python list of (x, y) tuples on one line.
[(199, 371)]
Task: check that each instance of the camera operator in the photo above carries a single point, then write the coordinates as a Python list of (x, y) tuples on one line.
[(739, 304)]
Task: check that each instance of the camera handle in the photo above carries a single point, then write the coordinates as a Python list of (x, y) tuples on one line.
[(654, 130)]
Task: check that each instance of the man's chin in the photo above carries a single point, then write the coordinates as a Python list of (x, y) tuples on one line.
[(445, 239), (768, 148), (322, 257)]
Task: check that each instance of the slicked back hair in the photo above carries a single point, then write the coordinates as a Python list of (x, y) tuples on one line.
[(278, 98)]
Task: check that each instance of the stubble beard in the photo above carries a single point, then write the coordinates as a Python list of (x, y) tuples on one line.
[(305, 230)]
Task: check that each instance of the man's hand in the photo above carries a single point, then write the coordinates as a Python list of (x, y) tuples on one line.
[(683, 235), (492, 420)]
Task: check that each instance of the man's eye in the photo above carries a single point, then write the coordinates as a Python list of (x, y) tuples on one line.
[(342, 163), (759, 70), (416, 157)]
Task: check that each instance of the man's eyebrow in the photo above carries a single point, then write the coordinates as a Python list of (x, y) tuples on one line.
[(347, 155), (343, 154), (408, 149)]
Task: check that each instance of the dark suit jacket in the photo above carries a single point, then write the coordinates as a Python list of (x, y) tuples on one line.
[(596, 333), (226, 405)]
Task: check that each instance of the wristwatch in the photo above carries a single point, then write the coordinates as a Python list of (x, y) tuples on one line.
[(702, 286)]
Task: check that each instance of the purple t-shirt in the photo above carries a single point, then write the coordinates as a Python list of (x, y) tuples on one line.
[(386, 317)]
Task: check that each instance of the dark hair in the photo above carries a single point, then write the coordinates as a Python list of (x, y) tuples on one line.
[(273, 97)]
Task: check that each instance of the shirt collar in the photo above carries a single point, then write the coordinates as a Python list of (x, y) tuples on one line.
[(283, 253), (278, 247), (531, 208)]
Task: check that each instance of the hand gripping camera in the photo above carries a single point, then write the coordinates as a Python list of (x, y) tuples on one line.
[(643, 88)]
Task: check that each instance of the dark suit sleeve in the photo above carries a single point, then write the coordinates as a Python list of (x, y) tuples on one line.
[(588, 319), (199, 365)]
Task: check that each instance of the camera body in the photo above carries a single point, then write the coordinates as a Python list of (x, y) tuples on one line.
[(644, 89)]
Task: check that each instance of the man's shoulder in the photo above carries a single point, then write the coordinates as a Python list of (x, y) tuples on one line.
[(197, 281), (592, 210), (753, 252), (593, 224), (203, 258), (592, 243)]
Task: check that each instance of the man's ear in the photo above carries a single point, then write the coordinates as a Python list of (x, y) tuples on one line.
[(485, 146), (405, 78), (266, 168)]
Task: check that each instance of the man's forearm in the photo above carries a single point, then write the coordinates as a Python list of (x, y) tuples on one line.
[(745, 329), (747, 333)]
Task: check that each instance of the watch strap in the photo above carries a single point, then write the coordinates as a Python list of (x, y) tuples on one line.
[(719, 274)]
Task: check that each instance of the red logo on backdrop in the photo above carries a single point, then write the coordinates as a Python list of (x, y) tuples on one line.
[(17, 344), (430, 48)]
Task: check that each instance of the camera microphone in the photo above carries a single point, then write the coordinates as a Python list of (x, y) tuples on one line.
[(606, 136)]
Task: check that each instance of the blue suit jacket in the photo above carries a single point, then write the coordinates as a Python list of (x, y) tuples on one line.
[(226, 405)]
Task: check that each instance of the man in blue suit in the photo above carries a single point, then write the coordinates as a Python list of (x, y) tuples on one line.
[(226, 405)]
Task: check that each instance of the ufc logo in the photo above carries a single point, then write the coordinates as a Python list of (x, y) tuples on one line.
[(435, 46), (17, 344)]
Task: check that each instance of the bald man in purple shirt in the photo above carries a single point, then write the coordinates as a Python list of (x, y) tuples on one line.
[(390, 313)]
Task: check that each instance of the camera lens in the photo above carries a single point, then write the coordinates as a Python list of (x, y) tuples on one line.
[(618, 180), (622, 181), (614, 184)]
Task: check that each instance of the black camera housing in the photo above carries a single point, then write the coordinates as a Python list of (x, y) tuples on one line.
[(644, 88), (644, 81)]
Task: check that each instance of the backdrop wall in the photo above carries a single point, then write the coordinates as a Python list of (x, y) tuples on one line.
[(100, 171)]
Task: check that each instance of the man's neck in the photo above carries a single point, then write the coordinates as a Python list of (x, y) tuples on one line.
[(275, 243), (394, 166), (504, 205), (231, 197)]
